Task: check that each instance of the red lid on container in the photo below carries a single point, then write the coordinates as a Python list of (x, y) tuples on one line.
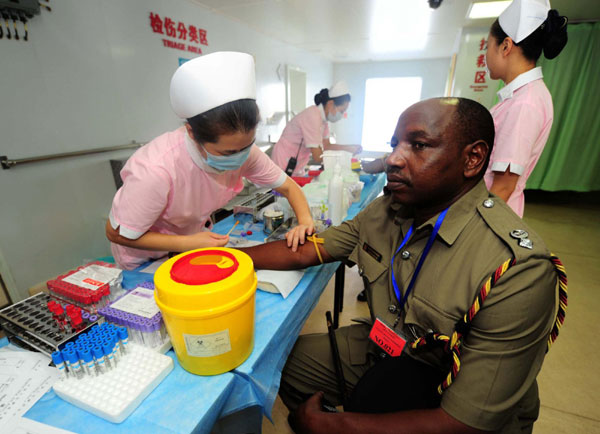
[(204, 267), (302, 180)]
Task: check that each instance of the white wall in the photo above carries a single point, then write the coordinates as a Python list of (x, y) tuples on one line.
[(92, 75), (434, 73)]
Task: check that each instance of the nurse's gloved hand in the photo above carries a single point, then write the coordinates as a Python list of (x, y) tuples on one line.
[(298, 234), (205, 239)]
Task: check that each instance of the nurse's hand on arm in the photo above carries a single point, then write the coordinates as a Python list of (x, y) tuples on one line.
[(166, 242), (298, 202), (504, 184)]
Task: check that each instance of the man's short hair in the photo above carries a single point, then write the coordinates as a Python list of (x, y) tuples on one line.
[(473, 122)]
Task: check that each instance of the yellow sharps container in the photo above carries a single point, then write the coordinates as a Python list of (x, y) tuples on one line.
[(206, 297)]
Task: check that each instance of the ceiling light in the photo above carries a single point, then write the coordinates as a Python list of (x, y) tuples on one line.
[(487, 9), (399, 25)]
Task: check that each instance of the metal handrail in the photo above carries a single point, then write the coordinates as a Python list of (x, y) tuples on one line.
[(7, 163)]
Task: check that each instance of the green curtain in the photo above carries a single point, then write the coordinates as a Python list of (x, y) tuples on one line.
[(571, 158)]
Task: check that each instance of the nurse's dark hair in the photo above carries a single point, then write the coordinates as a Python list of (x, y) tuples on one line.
[(550, 37), (230, 118), (323, 96), (473, 122)]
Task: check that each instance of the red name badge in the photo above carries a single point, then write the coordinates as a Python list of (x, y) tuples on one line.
[(387, 339)]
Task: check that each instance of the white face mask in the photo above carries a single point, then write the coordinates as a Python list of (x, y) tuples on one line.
[(336, 117)]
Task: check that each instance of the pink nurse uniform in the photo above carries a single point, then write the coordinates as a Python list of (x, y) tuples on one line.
[(523, 119), (306, 130), (169, 188)]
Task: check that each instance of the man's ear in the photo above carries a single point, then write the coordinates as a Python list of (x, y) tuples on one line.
[(476, 155)]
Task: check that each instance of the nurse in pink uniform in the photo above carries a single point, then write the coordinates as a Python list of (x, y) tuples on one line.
[(523, 117), (307, 134), (173, 184)]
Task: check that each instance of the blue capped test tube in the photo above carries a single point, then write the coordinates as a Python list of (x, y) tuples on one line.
[(74, 364), (124, 338), (58, 361), (87, 362), (107, 349), (99, 359)]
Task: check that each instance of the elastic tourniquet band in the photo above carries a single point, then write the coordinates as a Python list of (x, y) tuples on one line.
[(315, 240), (461, 328)]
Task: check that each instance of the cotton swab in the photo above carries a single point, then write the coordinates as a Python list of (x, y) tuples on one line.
[(233, 227)]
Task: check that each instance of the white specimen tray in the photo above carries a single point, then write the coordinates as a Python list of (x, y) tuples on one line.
[(115, 394)]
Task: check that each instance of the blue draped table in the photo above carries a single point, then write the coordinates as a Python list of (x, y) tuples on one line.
[(184, 402)]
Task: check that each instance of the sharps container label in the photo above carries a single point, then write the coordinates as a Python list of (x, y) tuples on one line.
[(207, 345)]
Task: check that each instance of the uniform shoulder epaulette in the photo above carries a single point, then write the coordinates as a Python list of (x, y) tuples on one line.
[(519, 237)]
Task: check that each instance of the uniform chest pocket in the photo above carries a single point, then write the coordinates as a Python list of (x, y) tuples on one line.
[(368, 266), (423, 317)]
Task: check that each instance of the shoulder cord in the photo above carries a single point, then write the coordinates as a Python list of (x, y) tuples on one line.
[(461, 328)]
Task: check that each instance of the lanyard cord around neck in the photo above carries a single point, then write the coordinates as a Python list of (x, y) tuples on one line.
[(434, 232)]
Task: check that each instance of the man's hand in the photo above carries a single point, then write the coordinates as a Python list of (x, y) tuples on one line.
[(308, 417), (297, 235)]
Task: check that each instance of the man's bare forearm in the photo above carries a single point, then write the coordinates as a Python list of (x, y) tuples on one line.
[(278, 256)]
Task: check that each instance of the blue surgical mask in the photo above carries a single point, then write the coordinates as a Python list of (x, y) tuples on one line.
[(336, 117), (227, 162)]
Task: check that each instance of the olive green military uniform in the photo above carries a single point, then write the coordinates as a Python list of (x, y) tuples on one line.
[(502, 354)]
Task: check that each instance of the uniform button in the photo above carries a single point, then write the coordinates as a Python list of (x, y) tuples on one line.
[(488, 203), (405, 254), (392, 308), (361, 271), (519, 234)]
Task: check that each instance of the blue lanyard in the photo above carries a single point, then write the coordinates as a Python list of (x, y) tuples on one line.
[(434, 232)]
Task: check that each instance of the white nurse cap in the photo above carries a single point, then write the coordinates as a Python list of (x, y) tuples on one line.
[(339, 89), (522, 17), (212, 80)]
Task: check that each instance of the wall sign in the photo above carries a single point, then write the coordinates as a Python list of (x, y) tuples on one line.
[(178, 35), (471, 79)]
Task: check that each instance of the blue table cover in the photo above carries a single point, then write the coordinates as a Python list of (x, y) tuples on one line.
[(184, 402)]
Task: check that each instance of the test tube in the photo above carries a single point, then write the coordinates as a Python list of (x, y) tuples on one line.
[(87, 362), (107, 349), (74, 364), (117, 350), (124, 338), (58, 361), (99, 358)]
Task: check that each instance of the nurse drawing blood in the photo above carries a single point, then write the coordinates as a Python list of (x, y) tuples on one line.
[(173, 184)]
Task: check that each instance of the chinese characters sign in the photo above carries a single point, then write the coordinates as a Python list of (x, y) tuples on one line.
[(471, 79), (182, 37)]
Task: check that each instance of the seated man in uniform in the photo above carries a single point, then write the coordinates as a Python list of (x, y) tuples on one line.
[(485, 299)]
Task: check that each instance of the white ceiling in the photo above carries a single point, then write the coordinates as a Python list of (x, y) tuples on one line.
[(349, 30)]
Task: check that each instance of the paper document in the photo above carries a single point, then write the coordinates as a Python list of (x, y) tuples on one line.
[(22, 425), (24, 378), (282, 282)]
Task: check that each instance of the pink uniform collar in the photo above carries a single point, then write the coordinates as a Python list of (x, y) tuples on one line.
[(522, 79)]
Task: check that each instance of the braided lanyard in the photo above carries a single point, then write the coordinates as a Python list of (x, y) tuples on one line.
[(454, 342), (434, 232)]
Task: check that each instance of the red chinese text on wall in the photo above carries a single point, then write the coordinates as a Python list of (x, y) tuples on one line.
[(185, 35), (480, 75)]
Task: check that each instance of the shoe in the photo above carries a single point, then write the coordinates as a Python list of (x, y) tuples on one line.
[(362, 296)]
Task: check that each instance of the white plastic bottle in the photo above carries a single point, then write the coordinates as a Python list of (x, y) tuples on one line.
[(336, 196)]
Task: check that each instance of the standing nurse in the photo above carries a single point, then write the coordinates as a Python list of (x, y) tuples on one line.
[(173, 184), (307, 134), (523, 117)]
